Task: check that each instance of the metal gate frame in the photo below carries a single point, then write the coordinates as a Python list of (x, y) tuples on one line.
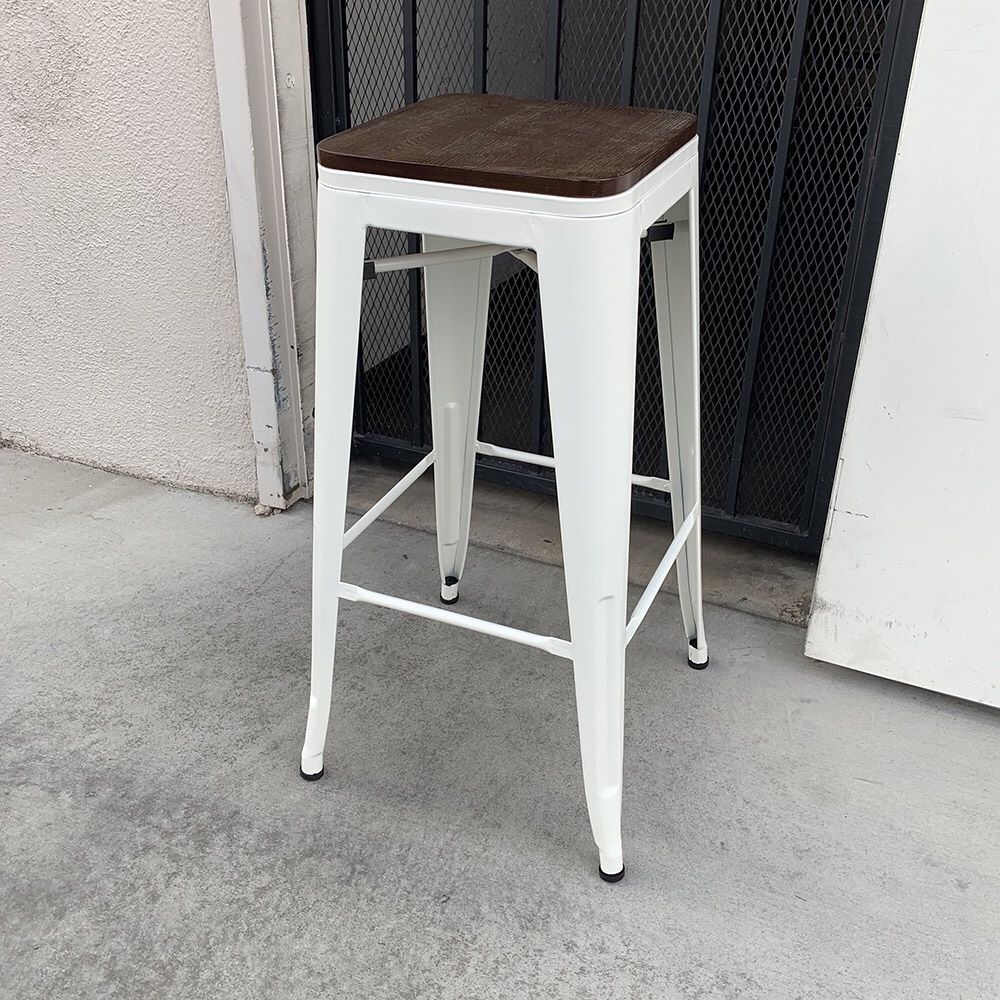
[(329, 60)]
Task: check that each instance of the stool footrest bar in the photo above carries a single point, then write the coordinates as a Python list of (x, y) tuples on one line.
[(645, 601), (550, 644), (495, 451), (380, 507), (546, 461)]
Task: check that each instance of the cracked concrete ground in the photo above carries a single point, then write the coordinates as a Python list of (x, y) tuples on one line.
[(792, 830)]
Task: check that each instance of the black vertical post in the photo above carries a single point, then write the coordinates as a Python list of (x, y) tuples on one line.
[(628, 51), (409, 51), (480, 13), (341, 93), (707, 77), (412, 239), (321, 68), (767, 250), (552, 46)]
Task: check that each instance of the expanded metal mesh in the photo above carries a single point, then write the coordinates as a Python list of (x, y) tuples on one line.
[(444, 47), (515, 48), (778, 209), (669, 56), (375, 60), (668, 69), (508, 404), (833, 112), (590, 57), (751, 70)]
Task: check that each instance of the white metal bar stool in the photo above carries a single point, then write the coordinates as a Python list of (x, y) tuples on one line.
[(571, 189)]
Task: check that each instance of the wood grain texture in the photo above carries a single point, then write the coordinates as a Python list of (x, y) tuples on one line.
[(540, 147)]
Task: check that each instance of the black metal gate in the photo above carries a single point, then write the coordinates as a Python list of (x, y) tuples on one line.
[(798, 103)]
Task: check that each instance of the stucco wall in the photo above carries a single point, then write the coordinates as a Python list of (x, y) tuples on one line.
[(120, 342), (908, 586)]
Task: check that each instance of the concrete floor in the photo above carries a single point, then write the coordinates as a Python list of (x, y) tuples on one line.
[(792, 830), (759, 579)]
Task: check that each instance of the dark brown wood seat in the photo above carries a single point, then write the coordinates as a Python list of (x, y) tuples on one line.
[(540, 147)]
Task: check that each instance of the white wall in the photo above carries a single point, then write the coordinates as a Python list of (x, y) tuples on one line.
[(909, 577), (120, 340)]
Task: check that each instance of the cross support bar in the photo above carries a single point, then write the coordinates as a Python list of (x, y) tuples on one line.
[(431, 257), (379, 508), (658, 231), (547, 462), (645, 602), (549, 644)]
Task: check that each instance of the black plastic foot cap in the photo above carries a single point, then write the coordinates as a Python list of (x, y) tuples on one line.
[(617, 877), (312, 777), (451, 583), (693, 664)]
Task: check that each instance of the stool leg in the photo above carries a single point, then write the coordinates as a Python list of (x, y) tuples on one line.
[(340, 253), (589, 278), (675, 283), (457, 298)]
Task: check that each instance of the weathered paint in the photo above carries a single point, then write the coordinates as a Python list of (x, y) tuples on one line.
[(908, 585)]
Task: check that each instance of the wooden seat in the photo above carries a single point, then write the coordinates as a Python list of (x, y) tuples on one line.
[(540, 147)]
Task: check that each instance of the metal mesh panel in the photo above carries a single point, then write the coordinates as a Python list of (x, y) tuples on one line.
[(375, 62), (375, 58), (669, 54), (590, 60), (385, 343), (750, 73), (507, 411), (444, 47), (515, 48), (649, 449), (779, 198), (832, 117), (668, 70)]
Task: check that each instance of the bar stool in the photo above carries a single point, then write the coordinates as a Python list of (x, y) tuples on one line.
[(570, 189)]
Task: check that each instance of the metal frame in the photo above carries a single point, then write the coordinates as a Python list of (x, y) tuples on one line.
[(587, 249), (549, 644)]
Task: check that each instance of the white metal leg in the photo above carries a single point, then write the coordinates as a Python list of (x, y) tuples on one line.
[(457, 296), (340, 255), (675, 282), (589, 277)]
